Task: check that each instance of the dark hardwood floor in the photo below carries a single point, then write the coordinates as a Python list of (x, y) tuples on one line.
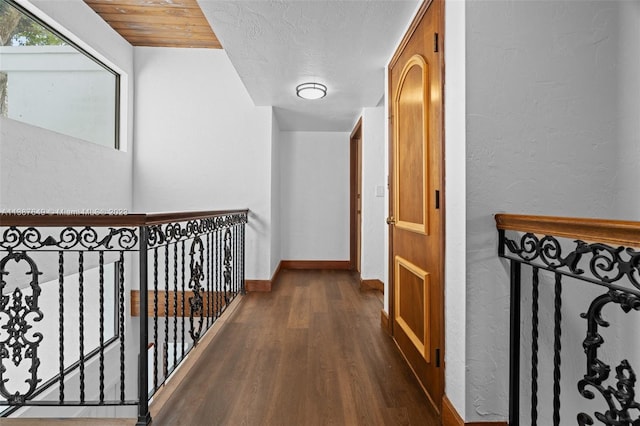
[(311, 352)]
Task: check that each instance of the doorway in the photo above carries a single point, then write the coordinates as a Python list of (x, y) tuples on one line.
[(355, 197), (416, 221)]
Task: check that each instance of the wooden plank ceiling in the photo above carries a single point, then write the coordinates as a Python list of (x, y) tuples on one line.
[(158, 23)]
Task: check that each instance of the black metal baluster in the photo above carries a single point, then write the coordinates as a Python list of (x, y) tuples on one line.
[(208, 288), (236, 276), (165, 361), (534, 348), (514, 346), (202, 289), (212, 290), (214, 284), (242, 264), (196, 267), (557, 346), (61, 321), (239, 261), (144, 417), (175, 306), (121, 323), (101, 283), (214, 257), (232, 272), (227, 264), (183, 297), (81, 320), (238, 273), (232, 281), (219, 276), (155, 319)]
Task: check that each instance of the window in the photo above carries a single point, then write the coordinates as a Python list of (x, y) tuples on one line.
[(48, 81)]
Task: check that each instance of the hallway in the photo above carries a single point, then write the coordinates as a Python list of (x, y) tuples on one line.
[(311, 352)]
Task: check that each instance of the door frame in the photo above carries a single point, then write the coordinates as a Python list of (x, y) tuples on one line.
[(355, 176), (391, 208)]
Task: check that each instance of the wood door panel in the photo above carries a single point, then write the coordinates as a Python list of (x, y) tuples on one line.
[(411, 112), (417, 236), (412, 304), (411, 288)]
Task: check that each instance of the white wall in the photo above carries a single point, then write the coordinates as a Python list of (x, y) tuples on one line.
[(315, 195), (541, 138), (374, 187), (628, 202), (628, 91), (455, 209), (201, 144), (276, 197), (41, 169)]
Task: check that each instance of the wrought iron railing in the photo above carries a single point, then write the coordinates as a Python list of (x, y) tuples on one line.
[(67, 338), (594, 263)]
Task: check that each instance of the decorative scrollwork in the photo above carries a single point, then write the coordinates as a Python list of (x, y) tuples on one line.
[(197, 275), (87, 238), (18, 311), (528, 249), (181, 231), (607, 264), (549, 251), (621, 399), (156, 237), (228, 260)]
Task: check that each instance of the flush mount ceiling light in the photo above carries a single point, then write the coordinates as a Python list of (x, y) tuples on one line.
[(311, 90)]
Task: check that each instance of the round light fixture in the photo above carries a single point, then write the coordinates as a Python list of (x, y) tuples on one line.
[(311, 90)]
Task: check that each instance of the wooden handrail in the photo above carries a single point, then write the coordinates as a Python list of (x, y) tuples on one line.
[(105, 220), (617, 232), (159, 218)]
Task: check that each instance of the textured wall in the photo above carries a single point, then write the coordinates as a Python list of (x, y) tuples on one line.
[(542, 120), (201, 144), (40, 169), (315, 195), (276, 196), (628, 90), (373, 203), (455, 204)]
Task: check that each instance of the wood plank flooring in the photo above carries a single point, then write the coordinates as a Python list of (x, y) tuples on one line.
[(311, 352)]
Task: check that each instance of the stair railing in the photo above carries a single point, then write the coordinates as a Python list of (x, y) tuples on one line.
[(67, 338), (573, 256)]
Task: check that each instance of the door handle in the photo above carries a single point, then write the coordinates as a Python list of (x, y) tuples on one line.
[(391, 220)]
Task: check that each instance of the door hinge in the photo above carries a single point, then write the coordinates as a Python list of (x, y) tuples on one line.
[(438, 357), (435, 42), (437, 199)]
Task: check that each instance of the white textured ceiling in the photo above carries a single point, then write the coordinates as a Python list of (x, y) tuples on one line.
[(344, 44)]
